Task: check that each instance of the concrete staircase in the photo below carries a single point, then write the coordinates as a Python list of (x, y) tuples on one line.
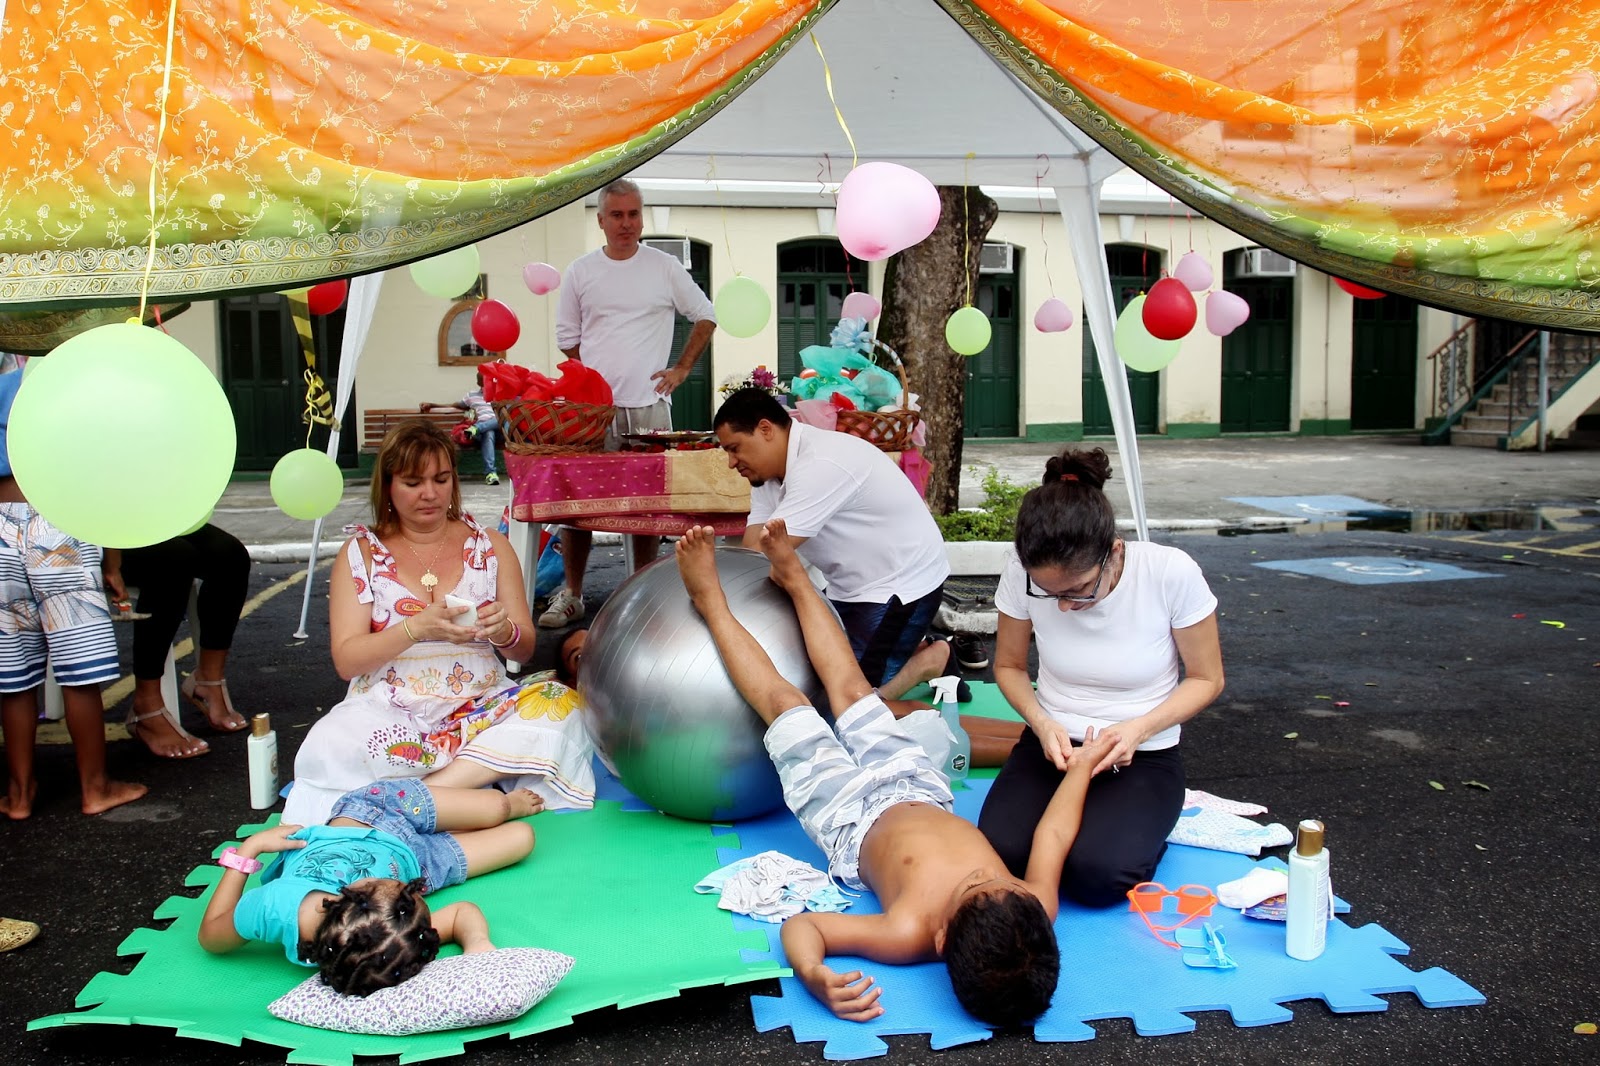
[(1501, 419)]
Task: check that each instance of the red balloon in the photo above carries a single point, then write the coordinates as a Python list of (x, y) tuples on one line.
[(327, 298), (1360, 292), (1169, 310), (495, 326)]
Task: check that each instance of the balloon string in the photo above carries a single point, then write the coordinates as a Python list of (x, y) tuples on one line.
[(155, 154), (827, 79), (966, 222), (1044, 243), (711, 176)]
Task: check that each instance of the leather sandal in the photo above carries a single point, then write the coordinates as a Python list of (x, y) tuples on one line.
[(139, 732), (191, 683)]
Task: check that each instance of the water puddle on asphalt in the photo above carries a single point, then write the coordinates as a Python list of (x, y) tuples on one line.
[(1549, 518)]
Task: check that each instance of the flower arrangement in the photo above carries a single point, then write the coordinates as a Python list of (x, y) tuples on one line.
[(759, 378)]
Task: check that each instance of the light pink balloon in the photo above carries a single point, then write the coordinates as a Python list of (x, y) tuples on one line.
[(1194, 272), (883, 208), (1225, 312), (1053, 316), (541, 278), (861, 305)]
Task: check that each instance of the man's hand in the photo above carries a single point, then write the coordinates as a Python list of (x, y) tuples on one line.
[(669, 379), (852, 996)]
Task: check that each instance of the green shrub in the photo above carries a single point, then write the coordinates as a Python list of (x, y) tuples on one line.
[(997, 517)]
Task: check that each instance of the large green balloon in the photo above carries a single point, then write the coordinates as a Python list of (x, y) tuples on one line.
[(968, 331), (742, 307), (1135, 344), (448, 275), (306, 484), (121, 437)]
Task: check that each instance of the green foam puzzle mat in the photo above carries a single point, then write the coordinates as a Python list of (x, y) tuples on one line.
[(611, 889)]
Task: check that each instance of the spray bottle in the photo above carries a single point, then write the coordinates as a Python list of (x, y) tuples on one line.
[(944, 691), (262, 756), (1310, 901)]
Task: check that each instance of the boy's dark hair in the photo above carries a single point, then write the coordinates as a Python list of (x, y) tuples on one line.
[(1001, 951), (369, 941), (744, 408), (1068, 521)]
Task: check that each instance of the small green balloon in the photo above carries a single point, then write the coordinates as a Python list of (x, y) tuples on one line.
[(448, 275), (165, 458), (306, 484), (968, 331), (742, 307), (1136, 346), (196, 527)]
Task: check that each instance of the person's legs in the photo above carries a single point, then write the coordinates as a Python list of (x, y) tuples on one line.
[(827, 646), (1127, 817), (460, 809), (163, 574), (487, 429), (19, 719), (223, 569), (566, 606), (85, 715), (491, 849), (645, 550), (1017, 800)]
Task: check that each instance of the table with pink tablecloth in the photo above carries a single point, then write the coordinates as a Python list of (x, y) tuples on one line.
[(661, 493)]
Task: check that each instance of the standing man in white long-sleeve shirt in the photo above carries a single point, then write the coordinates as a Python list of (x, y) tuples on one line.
[(616, 314)]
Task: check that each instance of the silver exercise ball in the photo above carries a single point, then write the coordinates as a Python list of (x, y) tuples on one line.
[(661, 706)]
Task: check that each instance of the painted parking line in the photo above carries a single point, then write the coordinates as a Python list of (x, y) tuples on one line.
[(1374, 570), (115, 693), (1570, 545), (1315, 507)]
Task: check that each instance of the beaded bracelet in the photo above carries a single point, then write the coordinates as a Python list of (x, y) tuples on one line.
[(516, 635), (406, 626)]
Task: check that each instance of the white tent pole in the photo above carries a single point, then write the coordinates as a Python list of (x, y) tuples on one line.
[(360, 309), (1080, 211)]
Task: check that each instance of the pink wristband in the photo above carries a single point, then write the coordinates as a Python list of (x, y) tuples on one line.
[(516, 635), (231, 858)]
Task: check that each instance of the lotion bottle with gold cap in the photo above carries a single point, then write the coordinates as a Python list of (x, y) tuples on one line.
[(1310, 898), (262, 751)]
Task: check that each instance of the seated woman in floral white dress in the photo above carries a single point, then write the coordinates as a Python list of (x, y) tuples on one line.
[(429, 697)]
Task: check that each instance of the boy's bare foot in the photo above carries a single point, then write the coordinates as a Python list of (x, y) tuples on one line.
[(109, 794), (697, 563), (17, 804), (786, 565), (927, 662), (524, 802)]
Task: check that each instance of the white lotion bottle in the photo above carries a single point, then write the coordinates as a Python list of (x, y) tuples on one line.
[(261, 749), (1310, 899)]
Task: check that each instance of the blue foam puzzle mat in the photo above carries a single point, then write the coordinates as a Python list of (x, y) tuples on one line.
[(1314, 508), (1111, 966), (1374, 569)]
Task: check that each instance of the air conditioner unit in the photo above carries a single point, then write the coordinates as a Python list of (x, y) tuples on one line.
[(994, 258), (1265, 263), (677, 247)]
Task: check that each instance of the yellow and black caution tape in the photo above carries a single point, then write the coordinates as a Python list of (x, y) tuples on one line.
[(319, 402)]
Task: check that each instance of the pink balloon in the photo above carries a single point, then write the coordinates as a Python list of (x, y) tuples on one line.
[(1194, 272), (883, 208), (1053, 316), (1169, 310), (541, 278), (861, 305), (495, 326), (1225, 312)]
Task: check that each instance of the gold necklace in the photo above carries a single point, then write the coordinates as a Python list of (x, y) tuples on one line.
[(429, 580)]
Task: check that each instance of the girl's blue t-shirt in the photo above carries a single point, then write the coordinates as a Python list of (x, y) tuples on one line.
[(334, 856)]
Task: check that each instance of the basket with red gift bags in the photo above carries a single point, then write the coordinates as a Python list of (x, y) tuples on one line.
[(568, 415)]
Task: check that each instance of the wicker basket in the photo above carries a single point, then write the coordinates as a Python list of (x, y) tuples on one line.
[(553, 427), (890, 430)]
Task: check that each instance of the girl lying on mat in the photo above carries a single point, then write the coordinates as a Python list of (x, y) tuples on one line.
[(346, 897), (881, 811)]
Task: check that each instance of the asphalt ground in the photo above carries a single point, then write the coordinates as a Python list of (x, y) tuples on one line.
[(1343, 702)]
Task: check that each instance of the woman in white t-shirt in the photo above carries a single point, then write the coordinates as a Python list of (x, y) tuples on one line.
[(1127, 639)]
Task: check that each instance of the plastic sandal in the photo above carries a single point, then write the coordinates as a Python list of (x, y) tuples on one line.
[(188, 687), (137, 733)]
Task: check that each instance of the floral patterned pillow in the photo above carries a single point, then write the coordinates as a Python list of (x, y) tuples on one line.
[(454, 993)]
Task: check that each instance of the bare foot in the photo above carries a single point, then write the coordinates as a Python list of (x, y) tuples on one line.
[(786, 565), (17, 804), (111, 794), (697, 563), (524, 802), (927, 662)]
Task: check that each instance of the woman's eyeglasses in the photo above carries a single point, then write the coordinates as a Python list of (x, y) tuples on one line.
[(1067, 597)]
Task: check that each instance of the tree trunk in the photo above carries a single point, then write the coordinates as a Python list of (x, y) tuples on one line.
[(923, 286)]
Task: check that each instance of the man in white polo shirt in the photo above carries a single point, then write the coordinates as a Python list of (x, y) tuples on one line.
[(854, 516), (616, 315)]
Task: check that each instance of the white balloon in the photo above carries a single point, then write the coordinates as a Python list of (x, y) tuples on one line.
[(1225, 312), (1053, 316), (884, 208), (1194, 272)]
